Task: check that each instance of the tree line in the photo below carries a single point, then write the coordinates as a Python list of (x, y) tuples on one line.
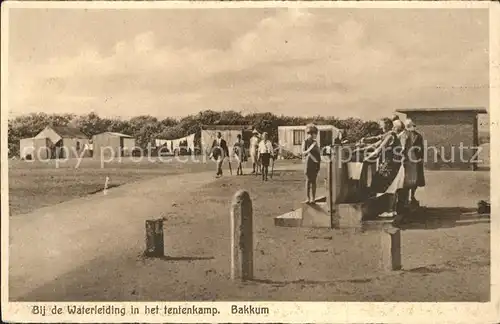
[(146, 128)]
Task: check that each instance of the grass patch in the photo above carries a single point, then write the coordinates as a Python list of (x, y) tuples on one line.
[(37, 184)]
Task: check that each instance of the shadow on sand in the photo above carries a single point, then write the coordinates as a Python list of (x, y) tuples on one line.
[(442, 217), (307, 282), (184, 258)]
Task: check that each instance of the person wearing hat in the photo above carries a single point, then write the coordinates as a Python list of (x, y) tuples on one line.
[(400, 130), (312, 154), (265, 153), (414, 165), (254, 147)]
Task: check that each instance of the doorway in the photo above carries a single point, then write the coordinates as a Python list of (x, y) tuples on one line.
[(325, 138)]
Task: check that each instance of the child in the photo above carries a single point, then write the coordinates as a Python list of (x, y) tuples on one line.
[(312, 154), (265, 153)]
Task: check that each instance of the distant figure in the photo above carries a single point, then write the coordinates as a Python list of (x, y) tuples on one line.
[(89, 147), (219, 152), (340, 139), (312, 153), (414, 166), (239, 151), (265, 154), (254, 147)]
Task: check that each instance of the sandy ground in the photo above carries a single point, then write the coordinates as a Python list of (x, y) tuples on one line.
[(90, 248)]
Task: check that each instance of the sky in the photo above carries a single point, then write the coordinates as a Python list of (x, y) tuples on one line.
[(174, 62)]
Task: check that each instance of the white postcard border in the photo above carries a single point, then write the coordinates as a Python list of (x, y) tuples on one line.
[(292, 312)]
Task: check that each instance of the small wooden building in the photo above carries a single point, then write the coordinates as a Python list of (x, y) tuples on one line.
[(291, 137), (34, 149), (54, 142), (450, 136), (111, 144)]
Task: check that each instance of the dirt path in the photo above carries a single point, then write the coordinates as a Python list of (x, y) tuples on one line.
[(55, 240), (51, 241)]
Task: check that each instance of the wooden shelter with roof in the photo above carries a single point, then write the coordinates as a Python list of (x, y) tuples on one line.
[(450, 135), (54, 142), (112, 144)]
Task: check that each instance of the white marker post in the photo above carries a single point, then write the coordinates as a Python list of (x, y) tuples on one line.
[(105, 191)]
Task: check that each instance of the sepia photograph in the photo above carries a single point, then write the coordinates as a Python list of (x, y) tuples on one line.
[(248, 154)]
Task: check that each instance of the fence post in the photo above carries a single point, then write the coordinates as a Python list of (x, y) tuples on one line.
[(154, 238), (241, 236), (391, 249)]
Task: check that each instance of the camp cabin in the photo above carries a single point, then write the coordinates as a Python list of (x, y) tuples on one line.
[(445, 131), (54, 142), (111, 144), (291, 138)]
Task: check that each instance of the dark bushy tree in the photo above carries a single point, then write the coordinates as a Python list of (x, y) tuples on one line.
[(146, 128)]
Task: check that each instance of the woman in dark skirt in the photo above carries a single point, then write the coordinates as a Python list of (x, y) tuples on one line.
[(414, 166), (312, 154), (388, 154)]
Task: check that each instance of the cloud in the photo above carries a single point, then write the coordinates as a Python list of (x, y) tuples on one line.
[(294, 62)]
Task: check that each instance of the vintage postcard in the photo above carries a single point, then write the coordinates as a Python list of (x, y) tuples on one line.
[(250, 162)]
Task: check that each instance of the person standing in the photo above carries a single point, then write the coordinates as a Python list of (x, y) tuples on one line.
[(219, 152), (414, 166), (239, 152), (312, 154), (265, 154), (402, 158), (254, 148), (338, 138)]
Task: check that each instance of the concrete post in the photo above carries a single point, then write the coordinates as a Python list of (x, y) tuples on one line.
[(241, 237), (154, 238), (391, 249), (335, 174), (336, 182)]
